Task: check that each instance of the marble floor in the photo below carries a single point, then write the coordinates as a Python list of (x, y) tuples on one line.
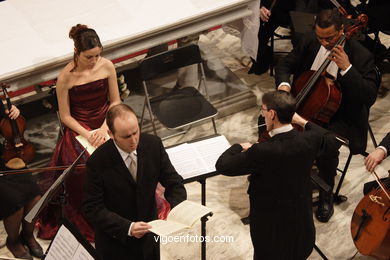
[(227, 197)]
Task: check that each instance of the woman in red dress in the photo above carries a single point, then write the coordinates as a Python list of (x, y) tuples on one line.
[(86, 88)]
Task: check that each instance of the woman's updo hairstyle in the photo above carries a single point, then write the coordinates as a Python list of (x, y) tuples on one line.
[(84, 39)]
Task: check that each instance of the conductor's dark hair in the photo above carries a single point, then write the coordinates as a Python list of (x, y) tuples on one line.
[(282, 102), (329, 17), (115, 112)]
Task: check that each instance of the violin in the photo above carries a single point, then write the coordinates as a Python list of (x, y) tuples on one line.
[(370, 223), (15, 146)]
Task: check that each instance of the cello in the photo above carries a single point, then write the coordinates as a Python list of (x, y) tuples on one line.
[(318, 97), (15, 146), (370, 223)]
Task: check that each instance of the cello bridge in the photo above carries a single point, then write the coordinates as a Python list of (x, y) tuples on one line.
[(377, 199)]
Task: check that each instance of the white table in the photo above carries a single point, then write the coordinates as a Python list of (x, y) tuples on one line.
[(35, 44)]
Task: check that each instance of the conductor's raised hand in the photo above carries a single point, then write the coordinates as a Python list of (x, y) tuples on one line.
[(139, 229), (245, 146)]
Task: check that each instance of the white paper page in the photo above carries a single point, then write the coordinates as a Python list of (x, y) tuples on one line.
[(164, 228), (187, 213), (64, 245), (84, 142), (82, 254), (210, 150), (186, 161)]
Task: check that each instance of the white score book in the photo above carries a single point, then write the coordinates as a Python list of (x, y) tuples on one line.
[(87, 145), (181, 217)]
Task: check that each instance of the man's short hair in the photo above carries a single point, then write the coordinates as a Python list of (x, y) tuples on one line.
[(282, 102), (329, 17), (117, 111)]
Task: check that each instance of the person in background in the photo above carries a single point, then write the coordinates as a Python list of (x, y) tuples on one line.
[(18, 195), (352, 68)]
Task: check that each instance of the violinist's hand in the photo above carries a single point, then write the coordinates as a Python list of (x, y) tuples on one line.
[(374, 158), (298, 120), (139, 229), (98, 137), (265, 14), (13, 113), (340, 57), (245, 146)]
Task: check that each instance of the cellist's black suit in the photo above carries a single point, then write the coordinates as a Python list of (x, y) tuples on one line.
[(281, 218), (386, 143), (359, 90)]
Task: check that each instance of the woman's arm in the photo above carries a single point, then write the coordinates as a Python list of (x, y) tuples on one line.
[(100, 135), (62, 90)]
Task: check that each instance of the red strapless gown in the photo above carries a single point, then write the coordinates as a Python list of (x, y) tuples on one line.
[(88, 105)]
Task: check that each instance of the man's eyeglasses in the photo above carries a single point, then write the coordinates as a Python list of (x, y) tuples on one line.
[(327, 39), (263, 109)]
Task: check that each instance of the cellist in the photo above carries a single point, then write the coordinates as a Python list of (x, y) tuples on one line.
[(352, 67)]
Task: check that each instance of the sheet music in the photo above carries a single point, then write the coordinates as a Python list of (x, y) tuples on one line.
[(164, 228), (187, 213), (197, 158), (66, 246), (183, 216), (210, 150), (84, 142), (187, 161)]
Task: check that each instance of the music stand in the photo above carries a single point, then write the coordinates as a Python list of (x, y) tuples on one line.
[(51, 192)]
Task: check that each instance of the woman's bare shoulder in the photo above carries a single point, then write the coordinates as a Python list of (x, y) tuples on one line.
[(65, 77)]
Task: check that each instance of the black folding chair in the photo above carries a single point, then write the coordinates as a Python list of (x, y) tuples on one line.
[(179, 107)]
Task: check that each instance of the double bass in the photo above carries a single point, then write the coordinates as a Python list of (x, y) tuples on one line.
[(370, 223), (15, 146)]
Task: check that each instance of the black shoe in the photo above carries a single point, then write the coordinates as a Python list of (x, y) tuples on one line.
[(12, 248), (35, 248), (325, 207), (258, 69)]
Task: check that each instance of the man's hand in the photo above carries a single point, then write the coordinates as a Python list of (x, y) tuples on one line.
[(374, 158), (139, 229), (265, 14), (245, 146), (284, 88), (13, 113), (298, 120), (340, 57)]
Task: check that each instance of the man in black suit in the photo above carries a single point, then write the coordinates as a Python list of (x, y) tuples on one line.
[(270, 19), (120, 188), (352, 67), (379, 154), (281, 218)]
